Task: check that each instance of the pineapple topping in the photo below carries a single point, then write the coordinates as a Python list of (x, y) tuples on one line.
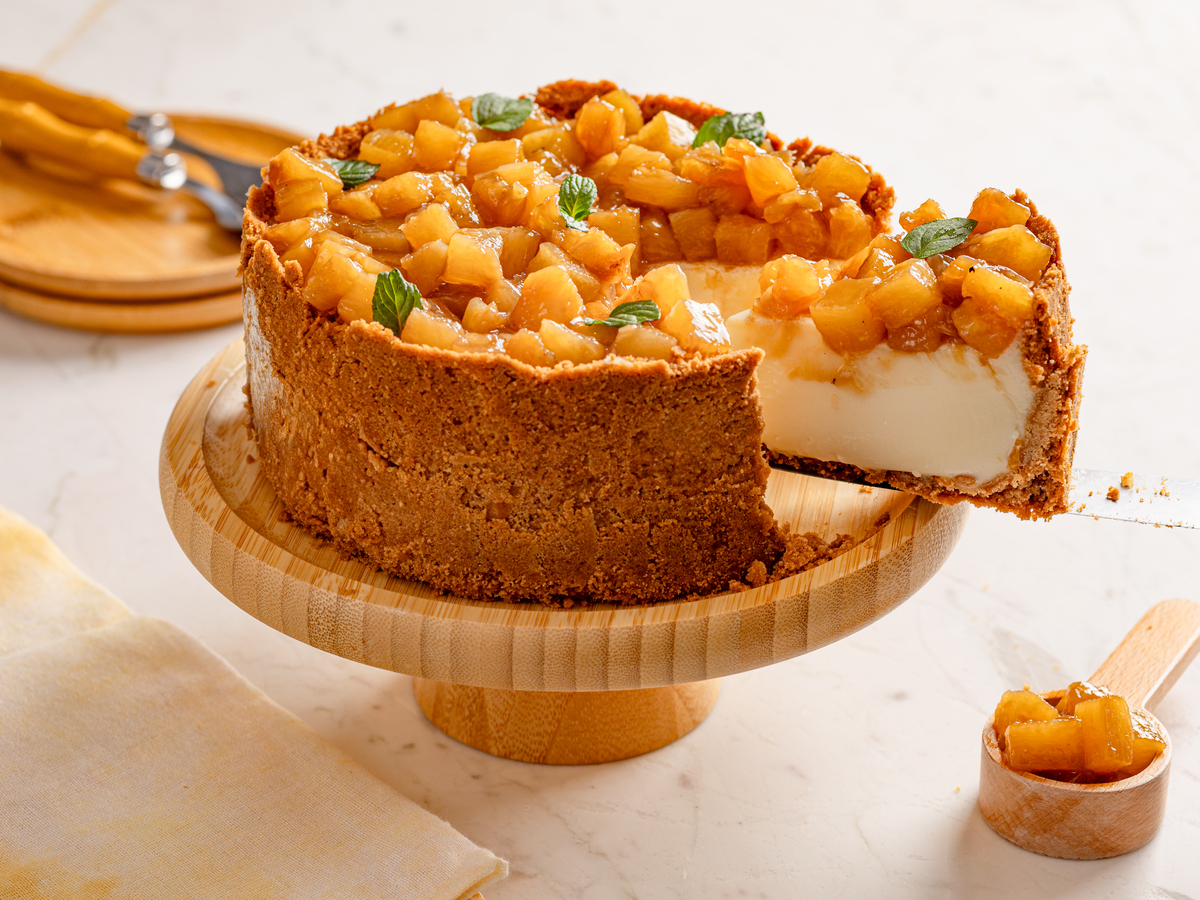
[(486, 225)]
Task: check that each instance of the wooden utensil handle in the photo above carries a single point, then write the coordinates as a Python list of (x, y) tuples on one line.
[(28, 128), (92, 112), (1154, 654)]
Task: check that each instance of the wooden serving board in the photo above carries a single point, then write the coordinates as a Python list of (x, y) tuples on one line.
[(64, 232), (523, 680), (146, 317)]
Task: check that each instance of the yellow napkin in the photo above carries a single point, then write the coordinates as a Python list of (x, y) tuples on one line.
[(135, 763)]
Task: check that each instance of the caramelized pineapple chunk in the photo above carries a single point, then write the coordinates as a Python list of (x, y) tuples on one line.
[(389, 149), (695, 231), (629, 107), (925, 333), (743, 240), (439, 107), (909, 290), (290, 166), (424, 267), (622, 224), (598, 127), (332, 274), (1077, 692), (282, 235), (658, 242), (595, 250), (401, 194), (789, 285), (384, 234), (1107, 734), (519, 247), (356, 204), (850, 229), (950, 279), (791, 202), (480, 317), (844, 318), (635, 157), (1053, 745), (299, 199), (803, 234), (472, 261), (698, 327), (929, 211), (993, 208), (433, 223), (666, 133), (548, 255), (661, 188), (1014, 247), (665, 286), (357, 302), (432, 328), (527, 346), (488, 155), (568, 345), (835, 174), (556, 148), (435, 146), (994, 291), (546, 294), (982, 329), (768, 177), (644, 341), (1148, 742), (1019, 706)]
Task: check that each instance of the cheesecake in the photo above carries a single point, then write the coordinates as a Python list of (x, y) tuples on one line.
[(543, 348)]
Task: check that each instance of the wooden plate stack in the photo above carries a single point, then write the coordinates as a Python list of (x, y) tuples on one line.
[(115, 256)]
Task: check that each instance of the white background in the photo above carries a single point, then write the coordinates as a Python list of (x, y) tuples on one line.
[(849, 773)]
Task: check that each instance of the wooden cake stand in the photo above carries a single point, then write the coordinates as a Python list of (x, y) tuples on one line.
[(524, 681)]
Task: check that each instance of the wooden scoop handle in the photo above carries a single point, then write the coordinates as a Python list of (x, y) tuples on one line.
[(92, 112), (1154, 654), (28, 128)]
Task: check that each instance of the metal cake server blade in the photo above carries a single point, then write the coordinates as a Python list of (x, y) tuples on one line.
[(1152, 500)]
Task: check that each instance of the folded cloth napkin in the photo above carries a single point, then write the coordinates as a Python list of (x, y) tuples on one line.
[(135, 763)]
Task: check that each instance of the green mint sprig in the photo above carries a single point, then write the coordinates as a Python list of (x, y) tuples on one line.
[(500, 113), (633, 313), (937, 236), (751, 126), (576, 196), (353, 172), (395, 297)]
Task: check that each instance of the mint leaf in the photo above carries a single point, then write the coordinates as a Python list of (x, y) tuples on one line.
[(751, 126), (353, 172), (575, 198), (632, 313), (500, 113), (394, 299), (937, 236)]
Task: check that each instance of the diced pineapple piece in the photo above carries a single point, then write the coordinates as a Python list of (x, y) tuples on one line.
[(835, 174), (845, 320), (789, 286), (950, 279), (472, 262), (480, 317), (289, 166), (658, 243), (661, 188), (907, 291), (633, 113), (458, 201), (925, 333), (1107, 734), (520, 246), (546, 219), (850, 229), (527, 346), (402, 194), (302, 253), (426, 326), (708, 166), (424, 266), (356, 204), (791, 202), (435, 146), (644, 341), (357, 302), (299, 199), (389, 149), (502, 201), (556, 148), (433, 223), (568, 345), (1020, 706), (739, 150), (1053, 745), (1148, 742), (768, 177), (282, 235), (743, 240), (331, 276), (1008, 298), (666, 286), (698, 327), (1014, 247), (384, 234), (550, 255), (635, 157), (488, 155), (546, 294), (666, 133), (595, 250), (803, 234), (695, 231), (439, 107), (929, 211), (598, 127), (993, 208), (598, 170), (503, 295), (874, 264), (621, 223), (982, 329)]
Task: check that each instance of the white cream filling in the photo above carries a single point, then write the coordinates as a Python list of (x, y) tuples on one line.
[(951, 412)]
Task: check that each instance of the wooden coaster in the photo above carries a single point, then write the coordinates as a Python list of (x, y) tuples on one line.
[(68, 234), (159, 317), (229, 522)]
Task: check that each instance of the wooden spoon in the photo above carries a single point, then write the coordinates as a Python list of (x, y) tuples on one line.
[(1096, 821)]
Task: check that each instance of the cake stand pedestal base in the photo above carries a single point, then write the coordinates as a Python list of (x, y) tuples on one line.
[(560, 728)]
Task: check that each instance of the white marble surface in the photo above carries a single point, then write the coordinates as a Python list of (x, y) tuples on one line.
[(849, 773)]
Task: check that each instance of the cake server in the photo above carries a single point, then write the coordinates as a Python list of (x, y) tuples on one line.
[(155, 129), (1150, 499), (28, 128)]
